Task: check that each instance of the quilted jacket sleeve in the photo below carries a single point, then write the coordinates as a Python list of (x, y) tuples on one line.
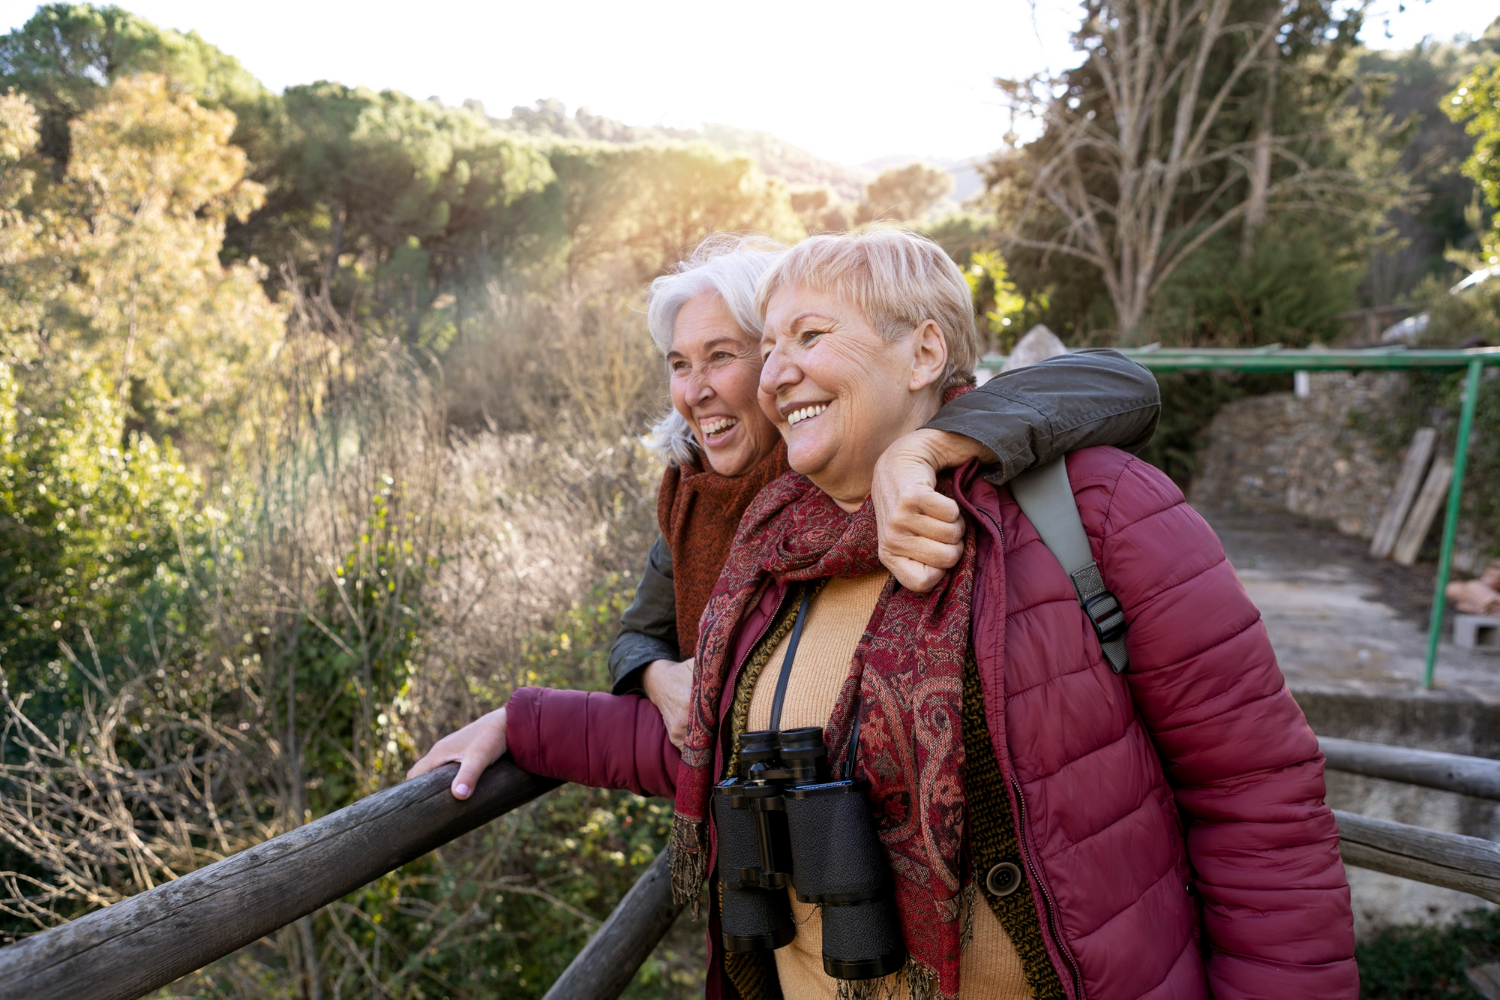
[(1245, 766), (592, 738)]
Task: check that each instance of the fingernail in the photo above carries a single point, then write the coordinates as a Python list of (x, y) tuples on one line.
[(462, 791)]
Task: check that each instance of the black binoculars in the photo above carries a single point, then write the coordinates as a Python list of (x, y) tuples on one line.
[(784, 823)]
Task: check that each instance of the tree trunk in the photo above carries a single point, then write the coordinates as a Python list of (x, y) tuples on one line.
[(336, 251), (1260, 161)]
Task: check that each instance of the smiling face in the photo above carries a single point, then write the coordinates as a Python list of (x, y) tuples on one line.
[(839, 392), (715, 368)]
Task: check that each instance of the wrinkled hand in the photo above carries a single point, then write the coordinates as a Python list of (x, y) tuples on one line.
[(921, 531), (669, 685), (475, 747)]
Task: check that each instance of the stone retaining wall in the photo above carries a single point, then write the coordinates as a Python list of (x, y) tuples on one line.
[(1314, 456)]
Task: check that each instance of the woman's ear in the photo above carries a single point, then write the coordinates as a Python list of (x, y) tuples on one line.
[(929, 356)]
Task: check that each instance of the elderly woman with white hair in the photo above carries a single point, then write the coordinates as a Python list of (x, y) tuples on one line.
[(721, 450)]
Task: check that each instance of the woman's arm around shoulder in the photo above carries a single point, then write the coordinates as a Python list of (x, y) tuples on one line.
[(1029, 416), (1245, 766), (1015, 421)]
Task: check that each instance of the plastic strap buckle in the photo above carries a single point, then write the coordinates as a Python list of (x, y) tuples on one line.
[(1104, 611), (1105, 614)]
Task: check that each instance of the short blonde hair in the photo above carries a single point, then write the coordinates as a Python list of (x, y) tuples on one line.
[(899, 279), (730, 265)]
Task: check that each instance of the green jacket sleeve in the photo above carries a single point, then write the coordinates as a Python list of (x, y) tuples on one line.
[(1035, 414)]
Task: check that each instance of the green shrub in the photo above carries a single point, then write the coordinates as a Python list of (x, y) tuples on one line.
[(103, 541), (1413, 963), (1461, 319), (502, 911), (1291, 291)]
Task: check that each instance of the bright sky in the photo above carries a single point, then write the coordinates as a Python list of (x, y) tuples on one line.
[(850, 81)]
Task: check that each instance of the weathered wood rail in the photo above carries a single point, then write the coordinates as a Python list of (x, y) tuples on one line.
[(1449, 772), (608, 963), (146, 942), (1468, 864), (149, 940)]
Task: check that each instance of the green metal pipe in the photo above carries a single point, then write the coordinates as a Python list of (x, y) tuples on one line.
[(1450, 521), (1286, 360)]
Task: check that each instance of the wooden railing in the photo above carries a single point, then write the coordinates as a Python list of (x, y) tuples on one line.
[(151, 939), (146, 942), (1468, 864)]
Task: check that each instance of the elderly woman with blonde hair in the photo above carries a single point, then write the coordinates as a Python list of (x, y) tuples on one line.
[(1045, 824)]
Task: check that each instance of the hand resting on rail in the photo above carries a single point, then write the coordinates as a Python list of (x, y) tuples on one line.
[(474, 748)]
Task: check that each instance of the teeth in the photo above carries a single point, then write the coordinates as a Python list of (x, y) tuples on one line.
[(797, 416), (718, 424)]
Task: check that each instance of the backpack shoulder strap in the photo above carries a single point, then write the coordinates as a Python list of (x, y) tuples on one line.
[(1046, 498)]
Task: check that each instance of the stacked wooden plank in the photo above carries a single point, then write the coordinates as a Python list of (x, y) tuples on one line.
[(1415, 502)]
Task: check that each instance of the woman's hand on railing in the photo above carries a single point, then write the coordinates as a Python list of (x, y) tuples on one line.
[(669, 686), (474, 748)]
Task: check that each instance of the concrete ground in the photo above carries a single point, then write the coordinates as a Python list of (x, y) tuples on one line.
[(1342, 622), (1351, 635)]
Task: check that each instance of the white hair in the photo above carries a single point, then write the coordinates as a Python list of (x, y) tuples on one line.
[(730, 266)]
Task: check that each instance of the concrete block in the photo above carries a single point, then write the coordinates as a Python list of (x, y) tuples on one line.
[(1478, 632)]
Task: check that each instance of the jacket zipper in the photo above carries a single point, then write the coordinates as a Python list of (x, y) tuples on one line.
[(1031, 868), (1036, 879)]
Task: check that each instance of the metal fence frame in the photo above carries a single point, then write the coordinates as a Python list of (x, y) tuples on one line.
[(1275, 358)]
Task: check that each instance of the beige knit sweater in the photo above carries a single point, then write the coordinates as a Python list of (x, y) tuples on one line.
[(990, 968)]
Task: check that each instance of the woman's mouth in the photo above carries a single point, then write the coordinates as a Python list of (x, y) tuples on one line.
[(804, 413), (716, 427)]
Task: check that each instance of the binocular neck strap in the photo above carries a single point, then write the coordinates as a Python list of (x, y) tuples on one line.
[(791, 654), (853, 748)]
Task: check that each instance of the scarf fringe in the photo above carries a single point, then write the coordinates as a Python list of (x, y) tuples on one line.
[(866, 989), (921, 981), (966, 907), (689, 864), (921, 984)]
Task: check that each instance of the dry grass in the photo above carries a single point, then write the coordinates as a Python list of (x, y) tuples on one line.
[(372, 533)]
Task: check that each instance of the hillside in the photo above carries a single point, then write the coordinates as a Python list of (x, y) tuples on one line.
[(774, 157)]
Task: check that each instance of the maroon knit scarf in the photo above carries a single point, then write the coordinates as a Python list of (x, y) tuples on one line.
[(906, 681), (698, 511)]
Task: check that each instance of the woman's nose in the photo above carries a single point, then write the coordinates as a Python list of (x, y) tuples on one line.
[(775, 372), (698, 390)]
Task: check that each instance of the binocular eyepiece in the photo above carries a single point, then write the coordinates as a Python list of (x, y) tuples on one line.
[(784, 823)]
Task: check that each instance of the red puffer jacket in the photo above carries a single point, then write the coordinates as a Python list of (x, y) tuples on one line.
[(1173, 816)]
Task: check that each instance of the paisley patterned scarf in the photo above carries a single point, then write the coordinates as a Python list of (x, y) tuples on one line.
[(906, 683)]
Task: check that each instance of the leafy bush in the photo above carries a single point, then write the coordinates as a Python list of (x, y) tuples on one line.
[(1466, 318), (503, 910), (1414, 963), (102, 543), (1291, 291)]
